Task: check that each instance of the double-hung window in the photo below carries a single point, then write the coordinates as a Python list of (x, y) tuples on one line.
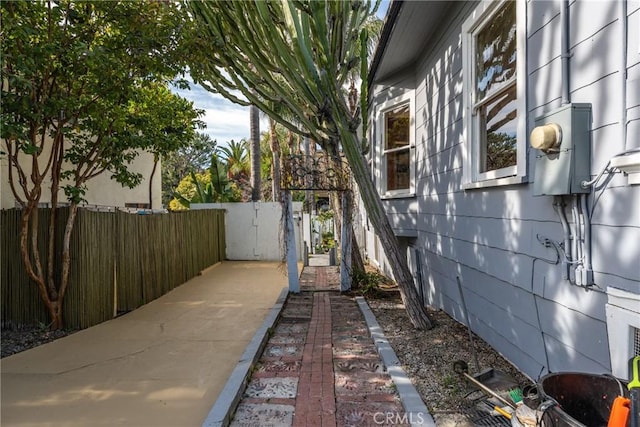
[(395, 124), (494, 94)]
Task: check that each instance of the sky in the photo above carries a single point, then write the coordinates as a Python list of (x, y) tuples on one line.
[(225, 120)]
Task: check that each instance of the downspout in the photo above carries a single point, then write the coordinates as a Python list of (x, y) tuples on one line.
[(565, 53)]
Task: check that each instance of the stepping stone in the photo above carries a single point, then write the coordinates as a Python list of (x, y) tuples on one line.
[(266, 388), (280, 350), (262, 414)]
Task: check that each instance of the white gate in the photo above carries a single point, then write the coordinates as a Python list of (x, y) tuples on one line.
[(254, 231)]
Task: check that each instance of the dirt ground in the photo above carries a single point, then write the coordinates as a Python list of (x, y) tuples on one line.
[(428, 356)]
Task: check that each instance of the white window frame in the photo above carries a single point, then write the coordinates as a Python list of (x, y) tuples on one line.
[(622, 316), (472, 175), (407, 98)]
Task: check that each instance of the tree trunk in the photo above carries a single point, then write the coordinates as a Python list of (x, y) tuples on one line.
[(275, 162), (254, 123), (58, 159), (66, 266), (47, 290), (153, 172), (346, 243), (375, 211), (357, 263), (308, 194)]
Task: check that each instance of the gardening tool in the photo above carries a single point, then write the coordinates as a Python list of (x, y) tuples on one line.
[(461, 367), (502, 412), (634, 390), (466, 316), (619, 412)]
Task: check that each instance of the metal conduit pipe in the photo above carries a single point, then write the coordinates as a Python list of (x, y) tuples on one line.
[(623, 70), (565, 53), (575, 209), (594, 181), (587, 239), (566, 231)]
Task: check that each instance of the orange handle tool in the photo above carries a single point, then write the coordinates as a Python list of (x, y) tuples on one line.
[(619, 412)]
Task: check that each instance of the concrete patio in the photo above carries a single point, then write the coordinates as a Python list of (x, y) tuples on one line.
[(163, 364), (227, 346)]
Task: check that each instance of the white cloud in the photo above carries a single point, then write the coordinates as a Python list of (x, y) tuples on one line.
[(224, 119), (225, 124)]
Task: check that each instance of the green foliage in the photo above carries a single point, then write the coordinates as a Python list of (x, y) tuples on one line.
[(368, 282), (236, 157), (325, 216), (298, 196), (211, 186), (284, 58), (84, 92), (501, 150), (327, 242), (92, 74), (193, 157)]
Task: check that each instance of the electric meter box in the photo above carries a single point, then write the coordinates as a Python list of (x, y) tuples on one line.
[(562, 142)]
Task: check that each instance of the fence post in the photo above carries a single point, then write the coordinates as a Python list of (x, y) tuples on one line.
[(290, 239), (345, 244)]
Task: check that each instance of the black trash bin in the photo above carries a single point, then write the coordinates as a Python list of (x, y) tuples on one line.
[(584, 400)]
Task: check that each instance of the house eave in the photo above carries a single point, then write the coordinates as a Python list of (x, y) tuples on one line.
[(385, 35), (407, 30)]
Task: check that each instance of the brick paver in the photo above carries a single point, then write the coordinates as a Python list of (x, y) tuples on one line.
[(320, 366), (315, 401)]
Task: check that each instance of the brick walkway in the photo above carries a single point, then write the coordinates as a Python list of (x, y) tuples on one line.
[(320, 367), (316, 398)]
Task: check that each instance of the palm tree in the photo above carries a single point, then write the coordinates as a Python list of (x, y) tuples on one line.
[(254, 123), (210, 186), (236, 157), (373, 26)]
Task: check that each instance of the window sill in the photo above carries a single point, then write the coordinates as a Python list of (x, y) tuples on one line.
[(404, 232), (397, 196), (498, 182)]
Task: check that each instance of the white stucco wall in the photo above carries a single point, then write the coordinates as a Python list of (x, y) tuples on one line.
[(101, 190)]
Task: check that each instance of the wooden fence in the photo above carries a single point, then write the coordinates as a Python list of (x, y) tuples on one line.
[(119, 261)]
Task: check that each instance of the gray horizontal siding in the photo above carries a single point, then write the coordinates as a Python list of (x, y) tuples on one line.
[(518, 302), (607, 142), (588, 18), (566, 358), (580, 339), (512, 329), (609, 245), (514, 202)]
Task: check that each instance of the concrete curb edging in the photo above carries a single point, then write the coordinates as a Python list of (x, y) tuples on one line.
[(416, 411), (224, 407)]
